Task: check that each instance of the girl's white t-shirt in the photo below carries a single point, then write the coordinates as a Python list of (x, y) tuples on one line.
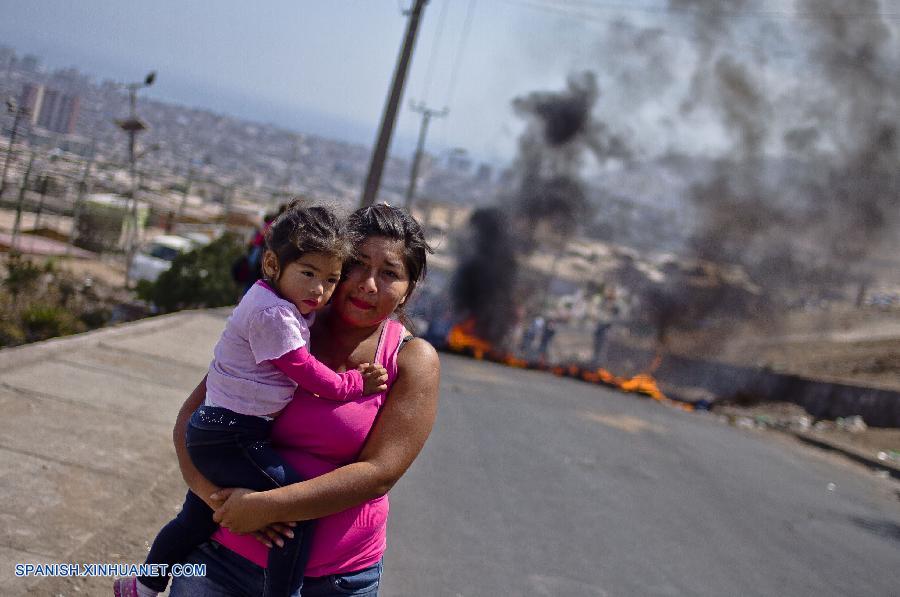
[(261, 328)]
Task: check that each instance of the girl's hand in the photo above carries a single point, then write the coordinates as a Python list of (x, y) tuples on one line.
[(275, 534), (241, 511), (374, 378)]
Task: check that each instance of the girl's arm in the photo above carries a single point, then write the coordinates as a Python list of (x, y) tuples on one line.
[(195, 480), (314, 376), (400, 431)]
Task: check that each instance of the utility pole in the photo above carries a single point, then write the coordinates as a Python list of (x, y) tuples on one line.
[(79, 199), (18, 221), (44, 187), (187, 193), (379, 154), (18, 112), (133, 125), (427, 115)]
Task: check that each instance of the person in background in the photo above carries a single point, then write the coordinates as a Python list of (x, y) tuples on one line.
[(248, 267), (610, 316), (533, 333), (547, 333)]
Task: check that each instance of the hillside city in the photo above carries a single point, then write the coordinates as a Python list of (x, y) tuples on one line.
[(221, 154)]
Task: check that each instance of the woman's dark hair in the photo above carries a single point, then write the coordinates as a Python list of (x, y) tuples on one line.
[(396, 224), (298, 230)]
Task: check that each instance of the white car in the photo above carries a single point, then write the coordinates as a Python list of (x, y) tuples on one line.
[(157, 256)]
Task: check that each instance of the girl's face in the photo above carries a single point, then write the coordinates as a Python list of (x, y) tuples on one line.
[(307, 282), (374, 285)]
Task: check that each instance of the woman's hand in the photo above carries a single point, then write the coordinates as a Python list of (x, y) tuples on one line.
[(243, 510), (275, 534), (216, 502)]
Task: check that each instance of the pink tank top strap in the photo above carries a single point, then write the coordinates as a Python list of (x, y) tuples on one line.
[(386, 353)]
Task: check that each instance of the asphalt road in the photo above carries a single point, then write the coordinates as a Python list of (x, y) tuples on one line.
[(530, 484), (536, 485)]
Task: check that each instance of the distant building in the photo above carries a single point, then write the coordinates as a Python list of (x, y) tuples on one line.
[(7, 59), (485, 173), (30, 63), (31, 98), (51, 109), (70, 80), (458, 161)]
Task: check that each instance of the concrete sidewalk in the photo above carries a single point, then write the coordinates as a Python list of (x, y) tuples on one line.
[(88, 472)]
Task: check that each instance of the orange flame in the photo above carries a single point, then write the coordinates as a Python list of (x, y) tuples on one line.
[(462, 338)]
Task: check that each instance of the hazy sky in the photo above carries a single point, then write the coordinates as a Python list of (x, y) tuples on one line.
[(316, 66), (325, 67)]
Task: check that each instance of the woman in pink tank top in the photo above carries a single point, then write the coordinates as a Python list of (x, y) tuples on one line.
[(351, 452)]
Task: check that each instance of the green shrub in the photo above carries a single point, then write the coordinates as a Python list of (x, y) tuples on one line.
[(23, 274), (199, 278), (11, 334), (47, 321)]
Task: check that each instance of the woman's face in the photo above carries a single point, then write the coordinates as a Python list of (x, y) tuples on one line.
[(374, 285)]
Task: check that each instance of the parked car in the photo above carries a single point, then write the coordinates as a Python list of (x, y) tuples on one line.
[(157, 256)]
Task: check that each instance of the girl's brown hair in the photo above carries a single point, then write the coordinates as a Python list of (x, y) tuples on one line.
[(298, 230)]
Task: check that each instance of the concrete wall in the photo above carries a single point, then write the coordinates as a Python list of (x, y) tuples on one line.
[(821, 398)]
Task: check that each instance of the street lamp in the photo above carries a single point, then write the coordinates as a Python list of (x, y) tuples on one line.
[(18, 112), (133, 125)]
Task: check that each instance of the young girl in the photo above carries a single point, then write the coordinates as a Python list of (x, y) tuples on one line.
[(260, 359)]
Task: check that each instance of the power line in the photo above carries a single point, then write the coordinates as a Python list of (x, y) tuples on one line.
[(426, 86), (460, 48), (563, 5), (457, 62)]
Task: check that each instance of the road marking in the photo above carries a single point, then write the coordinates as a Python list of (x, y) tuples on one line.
[(549, 586), (622, 422)]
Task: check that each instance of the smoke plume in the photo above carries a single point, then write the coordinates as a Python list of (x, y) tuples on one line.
[(802, 224), (548, 203)]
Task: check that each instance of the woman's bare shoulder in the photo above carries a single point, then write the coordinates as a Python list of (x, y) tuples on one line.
[(418, 356)]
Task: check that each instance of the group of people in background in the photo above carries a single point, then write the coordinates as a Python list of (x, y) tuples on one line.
[(537, 337)]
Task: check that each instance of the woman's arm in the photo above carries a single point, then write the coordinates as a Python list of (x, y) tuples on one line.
[(195, 480), (400, 431)]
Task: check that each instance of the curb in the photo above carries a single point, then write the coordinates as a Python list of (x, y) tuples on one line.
[(880, 465)]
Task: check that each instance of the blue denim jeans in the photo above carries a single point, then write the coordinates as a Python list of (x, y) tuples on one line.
[(230, 575), (231, 450)]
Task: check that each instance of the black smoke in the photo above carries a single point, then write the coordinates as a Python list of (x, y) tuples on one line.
[(483, 284), (808, 188), (546, 205)]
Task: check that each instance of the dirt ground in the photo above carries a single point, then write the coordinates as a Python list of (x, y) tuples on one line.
[(860, 346), (846, 343)]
